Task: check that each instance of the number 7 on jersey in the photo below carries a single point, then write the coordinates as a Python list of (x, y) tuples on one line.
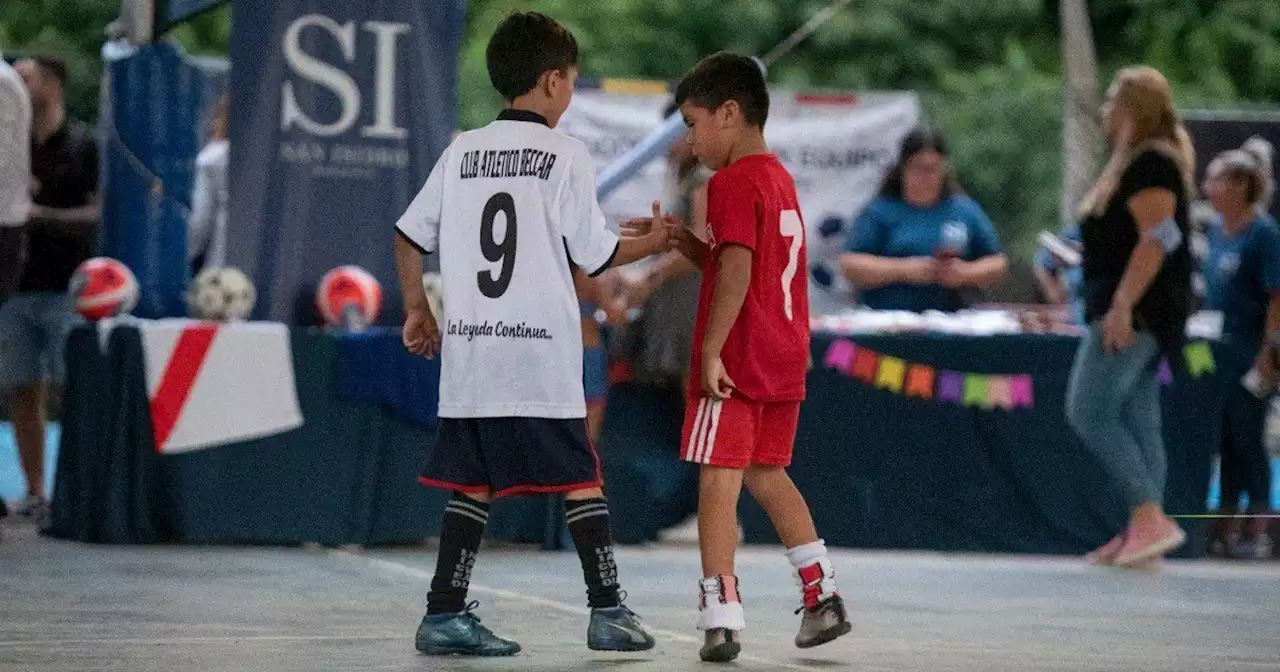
[(790, 226)]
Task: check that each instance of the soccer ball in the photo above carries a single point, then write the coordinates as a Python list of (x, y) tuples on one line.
[(103, 287), (221, 294), (350, 297)]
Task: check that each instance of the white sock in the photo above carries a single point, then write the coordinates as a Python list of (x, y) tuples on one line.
[(807, 554), (814, 586), (719, 606)]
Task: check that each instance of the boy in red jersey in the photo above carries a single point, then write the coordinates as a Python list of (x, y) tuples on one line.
[(750, 350)]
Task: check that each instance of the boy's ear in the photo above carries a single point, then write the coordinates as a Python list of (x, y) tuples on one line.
[(727, 111), (544, 81)]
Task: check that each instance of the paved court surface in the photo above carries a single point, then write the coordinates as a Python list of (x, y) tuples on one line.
[(67, 606)]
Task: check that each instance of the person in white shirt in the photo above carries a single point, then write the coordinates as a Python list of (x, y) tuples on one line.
[(511, 208), (207, 225), (15, 176)]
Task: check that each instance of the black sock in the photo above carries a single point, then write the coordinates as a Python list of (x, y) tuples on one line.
[(589, 526), (460, 535)]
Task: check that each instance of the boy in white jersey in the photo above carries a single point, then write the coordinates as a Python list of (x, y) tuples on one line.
[(511, 208)]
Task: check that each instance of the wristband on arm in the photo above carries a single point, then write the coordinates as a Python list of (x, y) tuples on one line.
[(1168, 235)]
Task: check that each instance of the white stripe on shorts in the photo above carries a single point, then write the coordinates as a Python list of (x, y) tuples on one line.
[(690, 454), (709, 445)]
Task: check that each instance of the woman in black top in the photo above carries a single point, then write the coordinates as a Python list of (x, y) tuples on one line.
[(1137, 288)]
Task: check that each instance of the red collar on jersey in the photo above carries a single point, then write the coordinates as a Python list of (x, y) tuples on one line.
[(512, 114)]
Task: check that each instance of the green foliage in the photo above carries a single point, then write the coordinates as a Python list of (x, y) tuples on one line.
[(989, 72), (1016, 176)]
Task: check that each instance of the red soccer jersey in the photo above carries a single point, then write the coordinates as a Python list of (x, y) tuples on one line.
[(753, 203)]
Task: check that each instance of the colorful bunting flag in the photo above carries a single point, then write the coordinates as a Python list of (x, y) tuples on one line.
[(839, 355), (951, 386), (999, 395), (1021, 391), (892, 370), (1199, 358), (865, 363), (1007, 392), (975, 390), (920, 381)]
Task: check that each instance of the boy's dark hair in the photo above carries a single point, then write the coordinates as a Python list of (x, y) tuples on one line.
[(524, 46), (53, 66), (920, 139), (722, 77)]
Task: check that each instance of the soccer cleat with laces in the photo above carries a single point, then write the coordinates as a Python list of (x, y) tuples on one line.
[(823, 623), (824, 615), (461, 634), (721, 646), (617, 629)]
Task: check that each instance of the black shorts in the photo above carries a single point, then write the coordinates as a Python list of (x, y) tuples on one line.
[(512, 456)]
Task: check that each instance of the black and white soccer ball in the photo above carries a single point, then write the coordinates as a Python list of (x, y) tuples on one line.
[(221, 294)]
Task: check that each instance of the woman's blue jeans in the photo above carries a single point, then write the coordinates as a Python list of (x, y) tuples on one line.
[(1113, 404)]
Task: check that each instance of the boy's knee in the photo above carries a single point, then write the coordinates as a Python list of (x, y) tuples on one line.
[(768, 483), (589, 493), (482, 497), (719, 480), (759, 476)]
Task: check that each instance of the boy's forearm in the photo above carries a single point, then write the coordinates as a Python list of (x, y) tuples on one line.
[(670, 266), (409, 272), (733, 276), (636, 248)]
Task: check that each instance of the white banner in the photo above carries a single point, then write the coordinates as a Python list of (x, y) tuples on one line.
[(212, 384), (837, 146)]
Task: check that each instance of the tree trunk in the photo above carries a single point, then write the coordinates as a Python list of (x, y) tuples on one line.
[(1080, 117)]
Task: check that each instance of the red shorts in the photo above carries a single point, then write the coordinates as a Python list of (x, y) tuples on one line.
[(737, 432)]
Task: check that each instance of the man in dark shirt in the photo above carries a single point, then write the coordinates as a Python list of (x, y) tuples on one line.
[(62, 231)]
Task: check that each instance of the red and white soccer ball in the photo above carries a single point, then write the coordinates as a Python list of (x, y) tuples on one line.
[(349, 296), (103, 287)]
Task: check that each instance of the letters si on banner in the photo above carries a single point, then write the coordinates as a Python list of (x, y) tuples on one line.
[(339, 111), (838, 146)]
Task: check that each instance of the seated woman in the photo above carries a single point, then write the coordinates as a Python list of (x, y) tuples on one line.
[(921, 241), (1242, 279)]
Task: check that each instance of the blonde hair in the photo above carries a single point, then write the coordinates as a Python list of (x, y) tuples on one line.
[(1143, 97), (1252, 165)]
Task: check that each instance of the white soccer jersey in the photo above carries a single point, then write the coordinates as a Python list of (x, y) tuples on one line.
[(507, 207), (15, 147)]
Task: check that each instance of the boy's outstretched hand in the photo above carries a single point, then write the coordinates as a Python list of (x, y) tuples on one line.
[(643, 226), (682, 239)]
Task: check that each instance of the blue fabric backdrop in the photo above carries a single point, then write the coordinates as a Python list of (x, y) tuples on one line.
[(153, 116), (339, 111)]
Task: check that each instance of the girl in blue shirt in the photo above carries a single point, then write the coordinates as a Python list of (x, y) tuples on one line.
[(921, 241), (1242, 280)]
